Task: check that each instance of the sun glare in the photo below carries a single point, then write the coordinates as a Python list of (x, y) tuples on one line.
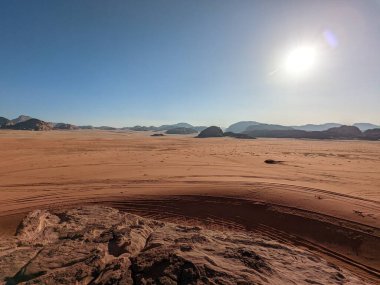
[(300, 60)]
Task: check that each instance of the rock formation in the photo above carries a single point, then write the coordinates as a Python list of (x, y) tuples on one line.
[(3, 121), (100, 245), (211, 132), (20, 119), (345, 132), (373, 134), (63, 126), (31, 125)]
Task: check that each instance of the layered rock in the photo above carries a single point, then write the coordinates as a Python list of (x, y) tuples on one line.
[(100, 245)]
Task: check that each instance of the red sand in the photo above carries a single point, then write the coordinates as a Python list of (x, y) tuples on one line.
[(326, 194)]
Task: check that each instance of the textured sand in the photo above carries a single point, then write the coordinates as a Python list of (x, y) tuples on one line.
[(325, 194)]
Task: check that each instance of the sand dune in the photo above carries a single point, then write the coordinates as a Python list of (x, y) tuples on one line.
[(324, 196)]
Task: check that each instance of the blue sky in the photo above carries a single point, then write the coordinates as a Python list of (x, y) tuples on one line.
[(123, 63)]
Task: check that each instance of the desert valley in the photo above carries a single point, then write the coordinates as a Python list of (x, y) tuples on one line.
[(172, 142), (279, 197)]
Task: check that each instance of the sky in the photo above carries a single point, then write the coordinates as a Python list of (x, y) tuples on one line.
[(123, 63)]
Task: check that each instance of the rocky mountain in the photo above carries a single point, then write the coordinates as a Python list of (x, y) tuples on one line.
[(372, 134), (20, 119), (211, 132), (342, 132), (63, 126), (240, 127), (32, 125), (178, 125), (165, 127), (101, 245), (3, 121), (345, 132), (313, 127), (268, 127), (181, 131), (141, 128), (366, 126)]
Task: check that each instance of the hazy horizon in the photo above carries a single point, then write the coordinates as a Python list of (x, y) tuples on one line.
[(125, 63)]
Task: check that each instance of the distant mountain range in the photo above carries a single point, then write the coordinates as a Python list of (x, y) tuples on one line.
[(166, 127), (341, 132), (244, 128)]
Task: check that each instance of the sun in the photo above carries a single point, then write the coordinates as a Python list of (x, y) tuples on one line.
[(300, 60)]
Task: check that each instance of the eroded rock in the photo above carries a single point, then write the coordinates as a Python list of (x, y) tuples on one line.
[(100, 245)]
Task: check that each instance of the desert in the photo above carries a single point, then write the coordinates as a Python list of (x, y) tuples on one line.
[(203, 142), (323, 196)]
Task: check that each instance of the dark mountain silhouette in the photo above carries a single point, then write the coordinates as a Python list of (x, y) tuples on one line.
[(106, 128), (268, 127), (372, 134), (31, 125), (64, 126), (19, 119), (181, 131), (88, 127), (241, 126), (178, 125), (345, 132), (365, 126), (3, 121), (320, 127), (342, 132), (165, 127), (211, 132), (141, 128)]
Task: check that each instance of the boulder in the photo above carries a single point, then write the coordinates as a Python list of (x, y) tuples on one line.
[(211, 132)]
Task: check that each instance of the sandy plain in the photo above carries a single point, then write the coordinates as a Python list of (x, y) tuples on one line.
[(324, 196)]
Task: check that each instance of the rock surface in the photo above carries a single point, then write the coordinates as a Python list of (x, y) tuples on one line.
[(100, 245), (211, 132)]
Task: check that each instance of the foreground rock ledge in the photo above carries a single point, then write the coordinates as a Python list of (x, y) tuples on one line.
[(100, 245)]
